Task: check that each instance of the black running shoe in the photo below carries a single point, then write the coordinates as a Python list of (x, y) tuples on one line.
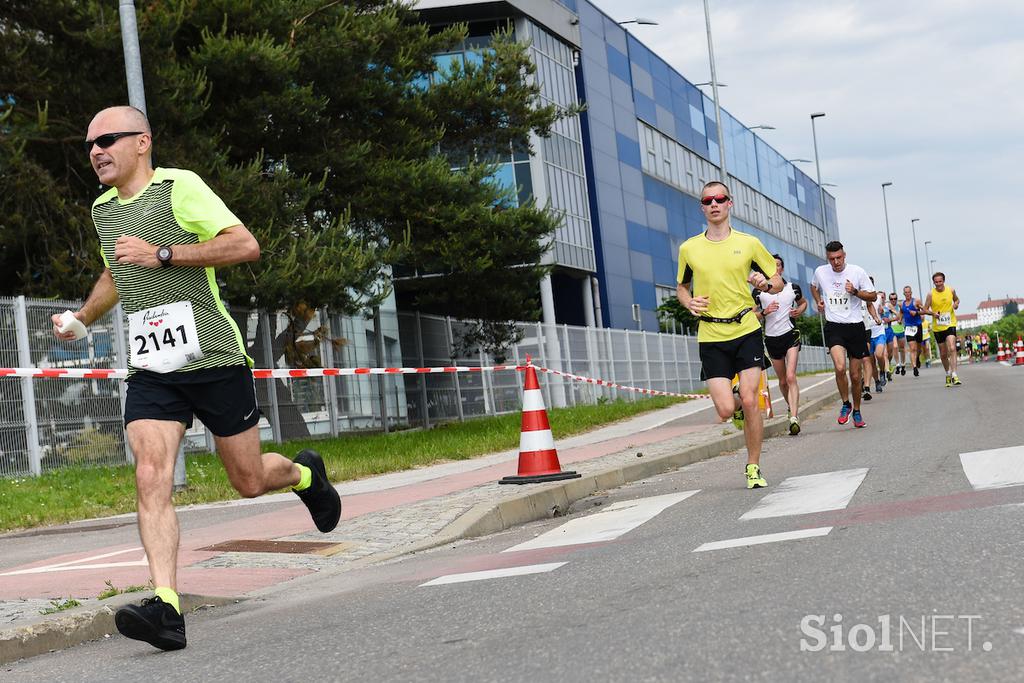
[(321, 498), (154, 621)]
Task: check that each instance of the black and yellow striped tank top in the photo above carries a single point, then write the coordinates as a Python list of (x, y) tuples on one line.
[(177, 207)]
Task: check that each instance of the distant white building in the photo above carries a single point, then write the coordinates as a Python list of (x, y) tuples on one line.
[(994, 309), (967, 321)]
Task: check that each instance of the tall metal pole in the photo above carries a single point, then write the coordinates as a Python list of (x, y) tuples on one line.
[(929, 260), (913, 232), (132, 55), (821, 204), (892, 269), (817, 166), (714, 93)]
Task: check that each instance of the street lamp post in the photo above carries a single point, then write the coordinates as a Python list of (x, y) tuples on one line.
[(917, 264), (929, 260), (817, 166), (888, 236), (640, 21), (714, 94), (821, 206)]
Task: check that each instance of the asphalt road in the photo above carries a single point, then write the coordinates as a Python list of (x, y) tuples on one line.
[(894, 567)]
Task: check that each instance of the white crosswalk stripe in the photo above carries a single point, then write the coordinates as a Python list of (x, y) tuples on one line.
[(764, 538), (494, 574), (606, 525), (994, 468), (809, 493)]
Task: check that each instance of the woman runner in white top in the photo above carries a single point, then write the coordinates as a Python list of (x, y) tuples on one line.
[(782, 339)]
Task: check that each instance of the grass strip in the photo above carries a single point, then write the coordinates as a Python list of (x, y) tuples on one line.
[(77, 493)]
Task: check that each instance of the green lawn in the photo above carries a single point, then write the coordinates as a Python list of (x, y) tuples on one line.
[(82, 493)]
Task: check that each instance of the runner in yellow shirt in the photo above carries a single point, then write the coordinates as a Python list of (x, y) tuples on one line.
[(941, 304), (715, 269)]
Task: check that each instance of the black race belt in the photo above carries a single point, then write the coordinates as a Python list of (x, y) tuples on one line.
[(735, 319)]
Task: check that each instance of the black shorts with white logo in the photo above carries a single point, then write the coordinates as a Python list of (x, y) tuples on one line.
[(779, 346), (851, 336), (727, 358), (917, 336), (224, 399)]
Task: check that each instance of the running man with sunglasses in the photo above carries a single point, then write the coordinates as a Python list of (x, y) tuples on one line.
[(714, 273), (841, 292), (162, 232), (913, 327)]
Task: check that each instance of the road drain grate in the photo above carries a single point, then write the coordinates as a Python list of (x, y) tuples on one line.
[(290, 547)]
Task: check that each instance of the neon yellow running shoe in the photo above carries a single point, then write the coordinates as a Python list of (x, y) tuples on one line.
[(956, 381), (949, 381), (738, 420), (754, 478)]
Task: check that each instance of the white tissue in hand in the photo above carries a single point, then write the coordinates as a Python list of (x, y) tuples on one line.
[(69, 323)]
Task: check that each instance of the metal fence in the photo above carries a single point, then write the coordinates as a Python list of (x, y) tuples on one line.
[(47, 424), (663, 362)]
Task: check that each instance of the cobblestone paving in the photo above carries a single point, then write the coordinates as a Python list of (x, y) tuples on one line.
[(389, 530)]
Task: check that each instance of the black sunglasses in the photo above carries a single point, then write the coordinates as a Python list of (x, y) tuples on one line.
[(107, 139)]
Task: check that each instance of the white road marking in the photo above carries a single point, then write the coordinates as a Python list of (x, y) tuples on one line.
[(494, 574), (809, 493), (75, 565), (1019, 631), (994, 468), (606, 525), (766, 538)]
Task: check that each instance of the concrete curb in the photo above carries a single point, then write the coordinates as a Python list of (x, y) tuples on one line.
[(81, 624), (554, 500), (75, 626)]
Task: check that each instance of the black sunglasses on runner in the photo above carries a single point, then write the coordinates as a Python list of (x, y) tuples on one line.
[(718, 199), (107, 139)]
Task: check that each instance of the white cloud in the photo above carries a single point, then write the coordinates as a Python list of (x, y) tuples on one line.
[(924, 93)]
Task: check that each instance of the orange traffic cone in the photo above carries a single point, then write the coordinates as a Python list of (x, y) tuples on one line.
[(538, 459), (1019, 360), (1000, 356)]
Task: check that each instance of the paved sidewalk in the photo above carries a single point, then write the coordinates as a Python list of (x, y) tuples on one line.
[(383, 517)]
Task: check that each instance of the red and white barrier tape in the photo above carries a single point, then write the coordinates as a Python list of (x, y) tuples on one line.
[(603, 383), (283, 373), (288, 373)]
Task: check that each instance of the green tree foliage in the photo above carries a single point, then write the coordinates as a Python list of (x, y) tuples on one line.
[(318, 124), (1007, 328), (810, 329), (673, 315)]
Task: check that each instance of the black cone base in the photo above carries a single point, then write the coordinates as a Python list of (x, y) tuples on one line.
[(538, 478)]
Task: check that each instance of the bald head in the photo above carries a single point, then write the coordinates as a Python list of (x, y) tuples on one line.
[(122, 118)]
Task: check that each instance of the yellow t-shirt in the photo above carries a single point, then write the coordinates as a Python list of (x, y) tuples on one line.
[(720, 270), (942, 304)]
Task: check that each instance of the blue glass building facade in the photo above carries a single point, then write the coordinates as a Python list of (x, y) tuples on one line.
[(649, 143)]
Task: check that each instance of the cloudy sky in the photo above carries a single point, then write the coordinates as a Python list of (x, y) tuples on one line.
[(928, 94)]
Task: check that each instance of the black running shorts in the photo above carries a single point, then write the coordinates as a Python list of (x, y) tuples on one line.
[(940, 337), (727, 358), (917, 336), (224, 399), (779, 346), (851, 336)]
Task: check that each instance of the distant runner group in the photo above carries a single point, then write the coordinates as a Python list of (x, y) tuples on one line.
[(872, 336)]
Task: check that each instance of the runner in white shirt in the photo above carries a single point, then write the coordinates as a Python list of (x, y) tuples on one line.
[(875, 330), (840, 291), (782, 339)]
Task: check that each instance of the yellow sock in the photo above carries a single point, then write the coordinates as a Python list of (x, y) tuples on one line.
[(168, 596), (305, 478)]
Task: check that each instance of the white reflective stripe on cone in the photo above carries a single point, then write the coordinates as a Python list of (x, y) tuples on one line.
[(536, 441), (533, 399)]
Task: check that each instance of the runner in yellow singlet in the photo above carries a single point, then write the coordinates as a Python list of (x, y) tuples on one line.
[(941, 304)]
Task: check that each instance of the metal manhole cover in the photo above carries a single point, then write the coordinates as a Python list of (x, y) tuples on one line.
[(291, 547)]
